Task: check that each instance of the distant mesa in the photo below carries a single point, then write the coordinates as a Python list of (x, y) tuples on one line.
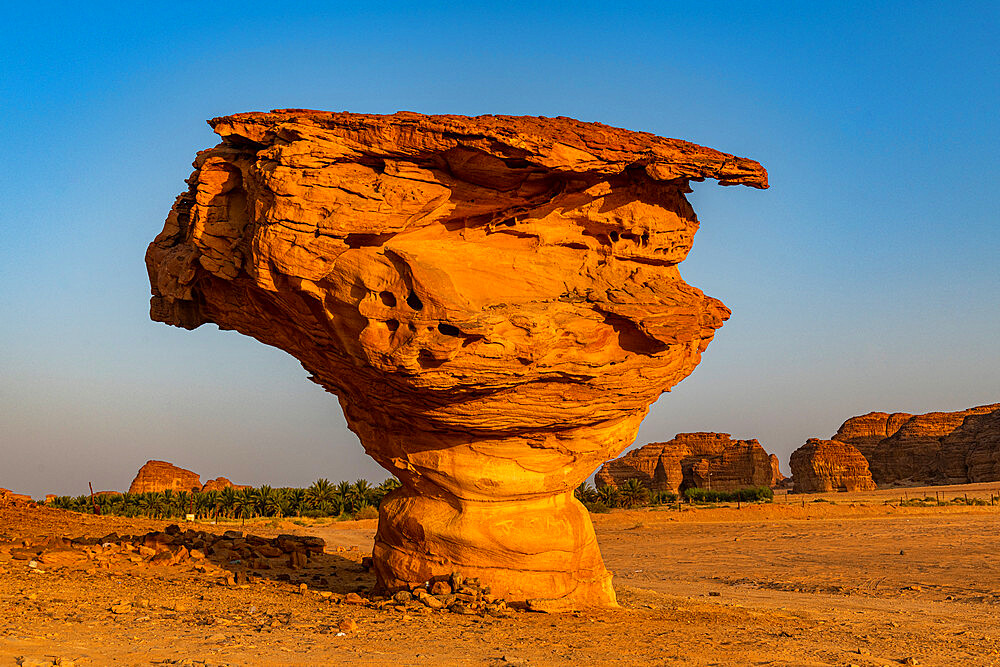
[(958, 447), (220, 483), (694, 460), (159, 476), (829, 465)]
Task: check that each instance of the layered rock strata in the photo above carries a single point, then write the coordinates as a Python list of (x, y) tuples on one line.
[(494, 300), (829, 465), (920, 451), (866, 431), (701, 460), (158, 476)]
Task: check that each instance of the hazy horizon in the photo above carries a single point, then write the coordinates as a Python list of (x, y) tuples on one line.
[(865, 278)]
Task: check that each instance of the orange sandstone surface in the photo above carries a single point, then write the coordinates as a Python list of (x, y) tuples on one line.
[(495, 301), (162, 476), (829, 465)]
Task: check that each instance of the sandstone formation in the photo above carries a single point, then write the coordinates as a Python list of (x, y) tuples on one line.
[(920, 451), (220, 483), (979, 439), (494, 300), (866, 431), (160, 476), (702, 460), (9, 498), (829, 465)]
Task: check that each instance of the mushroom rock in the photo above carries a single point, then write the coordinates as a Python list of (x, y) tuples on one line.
[(494, 300), (703, 460), (829, 465), (158, 476)]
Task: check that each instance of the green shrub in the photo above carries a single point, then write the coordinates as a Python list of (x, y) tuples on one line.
[(748, 495), (597, 507), (367, 512)]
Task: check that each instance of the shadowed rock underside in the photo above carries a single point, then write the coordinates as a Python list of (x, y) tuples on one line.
[(494, 300)]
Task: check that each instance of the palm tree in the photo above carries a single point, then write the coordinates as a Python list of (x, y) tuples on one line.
[(608, 495), (265, 501), (320, 492), (585, 493), (633, 493), (244, 504), (227, 501)]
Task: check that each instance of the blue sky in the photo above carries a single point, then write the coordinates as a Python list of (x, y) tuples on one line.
[(865, 279)]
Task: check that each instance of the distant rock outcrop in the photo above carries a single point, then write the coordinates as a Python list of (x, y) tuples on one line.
[(829, 465), (921, 450), (866, 431), (8, 497), (220, 483), (160, 476), (703, 460)]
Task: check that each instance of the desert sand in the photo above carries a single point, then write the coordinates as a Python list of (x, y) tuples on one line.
[(802, 581)]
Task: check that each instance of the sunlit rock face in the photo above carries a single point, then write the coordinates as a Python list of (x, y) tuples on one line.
[(494, 300)]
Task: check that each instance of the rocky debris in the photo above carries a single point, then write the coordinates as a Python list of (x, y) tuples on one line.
[(829, 465), (161, 476), (922, 451), (494, 300), (220, 483), (204, 551), (701, 460)]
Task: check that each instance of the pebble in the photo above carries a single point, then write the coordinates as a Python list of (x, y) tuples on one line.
[(348, 625), (217, 638)]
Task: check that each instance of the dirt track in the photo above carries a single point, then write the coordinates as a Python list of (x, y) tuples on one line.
[(780, 584)]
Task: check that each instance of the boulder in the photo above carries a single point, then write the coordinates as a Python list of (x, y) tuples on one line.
[(702, 460), (495, 301), (821, 466), (161, 476), (9, 498)]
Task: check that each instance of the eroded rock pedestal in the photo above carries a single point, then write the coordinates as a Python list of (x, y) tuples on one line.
[(494, 300)]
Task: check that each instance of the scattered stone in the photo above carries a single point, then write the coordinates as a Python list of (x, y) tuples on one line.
[(348, 625)]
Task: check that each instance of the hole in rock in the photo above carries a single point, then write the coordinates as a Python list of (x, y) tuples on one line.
[(414, 302), (448, 330), (631, 338), (392, 324), (388, 298), (614, 236), (427, 360)]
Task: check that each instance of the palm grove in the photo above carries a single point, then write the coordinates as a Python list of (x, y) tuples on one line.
[(359, 500)]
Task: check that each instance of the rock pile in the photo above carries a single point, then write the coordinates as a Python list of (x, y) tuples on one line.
[(172, 546), (494, 300), (821, 466), (694, 460)]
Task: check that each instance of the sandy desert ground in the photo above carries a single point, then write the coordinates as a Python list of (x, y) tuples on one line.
[(802, 581)]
